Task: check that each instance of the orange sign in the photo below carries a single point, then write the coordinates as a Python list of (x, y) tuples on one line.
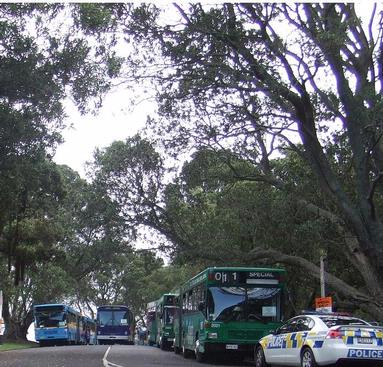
[(323, 304)]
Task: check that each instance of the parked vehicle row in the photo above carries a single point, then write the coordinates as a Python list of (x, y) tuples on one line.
[(238, 311), (61, 324), (222, 309)]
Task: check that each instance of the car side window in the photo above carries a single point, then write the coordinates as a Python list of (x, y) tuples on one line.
[(310, 323), (288, 327), (304, 324)]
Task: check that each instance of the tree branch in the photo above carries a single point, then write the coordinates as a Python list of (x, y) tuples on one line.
[(341, 287)]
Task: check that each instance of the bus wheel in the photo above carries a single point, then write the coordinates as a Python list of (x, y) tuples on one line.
[(200, 357), (185, 352), (177, 350)]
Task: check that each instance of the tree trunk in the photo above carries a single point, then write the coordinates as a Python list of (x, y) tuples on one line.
[(16, 329)]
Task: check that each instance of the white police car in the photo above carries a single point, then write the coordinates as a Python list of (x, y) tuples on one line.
[(311, 340)]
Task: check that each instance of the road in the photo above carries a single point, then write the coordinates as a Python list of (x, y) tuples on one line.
[(102, 356)]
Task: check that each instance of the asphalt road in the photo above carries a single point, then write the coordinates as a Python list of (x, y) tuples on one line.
[(102, 356)]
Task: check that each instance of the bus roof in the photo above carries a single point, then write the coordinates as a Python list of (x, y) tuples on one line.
[(51, 305), (47, 305), (243, 268), (111, 307)]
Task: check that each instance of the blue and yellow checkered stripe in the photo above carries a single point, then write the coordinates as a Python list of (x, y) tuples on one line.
[(349, 335), (293, 340), (297, 340)]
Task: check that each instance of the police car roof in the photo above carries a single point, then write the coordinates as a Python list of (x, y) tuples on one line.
[(318, 313)]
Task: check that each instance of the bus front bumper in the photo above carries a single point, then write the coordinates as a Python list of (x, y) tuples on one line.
[(229, 347), (113, 337)]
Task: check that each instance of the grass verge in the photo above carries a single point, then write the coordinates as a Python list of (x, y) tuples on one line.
[(12, 345)]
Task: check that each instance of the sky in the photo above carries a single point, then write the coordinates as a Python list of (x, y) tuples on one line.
[(114, 121)]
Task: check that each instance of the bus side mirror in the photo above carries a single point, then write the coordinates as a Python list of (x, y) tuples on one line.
[(201, 306)]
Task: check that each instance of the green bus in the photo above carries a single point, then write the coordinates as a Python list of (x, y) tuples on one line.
[(228, 309), (166, 310), (159, 320), (151, 322)]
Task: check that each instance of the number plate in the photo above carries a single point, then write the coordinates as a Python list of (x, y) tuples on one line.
[(232, 346), (365, 341)]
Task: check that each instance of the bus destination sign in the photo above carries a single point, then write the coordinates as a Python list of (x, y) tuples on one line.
[(232, 278)]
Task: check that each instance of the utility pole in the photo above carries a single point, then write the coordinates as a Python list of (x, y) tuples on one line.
[(323, 256)]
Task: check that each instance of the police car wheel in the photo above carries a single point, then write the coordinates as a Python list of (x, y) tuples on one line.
[(259, 358), (307, 358)]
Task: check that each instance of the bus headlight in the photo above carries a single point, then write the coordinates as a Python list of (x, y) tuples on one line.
[(212, 335)]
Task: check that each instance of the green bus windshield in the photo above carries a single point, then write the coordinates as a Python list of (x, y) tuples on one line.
[(169, 313), (243, 304)]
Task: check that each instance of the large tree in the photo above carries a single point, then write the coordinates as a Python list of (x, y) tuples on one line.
[(227, 218), (261, 77), (45, 57)]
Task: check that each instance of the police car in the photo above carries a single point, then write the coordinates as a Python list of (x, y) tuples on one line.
[(311, 340)]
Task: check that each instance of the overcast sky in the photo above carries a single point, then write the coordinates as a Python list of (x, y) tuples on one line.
[(114, 121)]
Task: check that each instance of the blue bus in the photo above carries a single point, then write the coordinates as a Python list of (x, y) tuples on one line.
[(115, 324), (57, 324)]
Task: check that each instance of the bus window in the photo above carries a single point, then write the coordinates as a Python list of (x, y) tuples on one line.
[(243, 304), (121, 317), (169, 313), (53, 317), (105, 318)]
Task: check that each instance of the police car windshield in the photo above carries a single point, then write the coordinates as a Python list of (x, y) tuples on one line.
[(341, 321), (243, 304)]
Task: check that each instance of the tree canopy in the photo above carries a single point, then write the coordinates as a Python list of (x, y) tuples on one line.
[(234, 77), (271, 111)]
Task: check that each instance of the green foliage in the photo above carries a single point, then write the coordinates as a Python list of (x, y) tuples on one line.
[(45, 58), (95, 17), (39, 67), (227, 219), (228, 77), (130, 174)]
